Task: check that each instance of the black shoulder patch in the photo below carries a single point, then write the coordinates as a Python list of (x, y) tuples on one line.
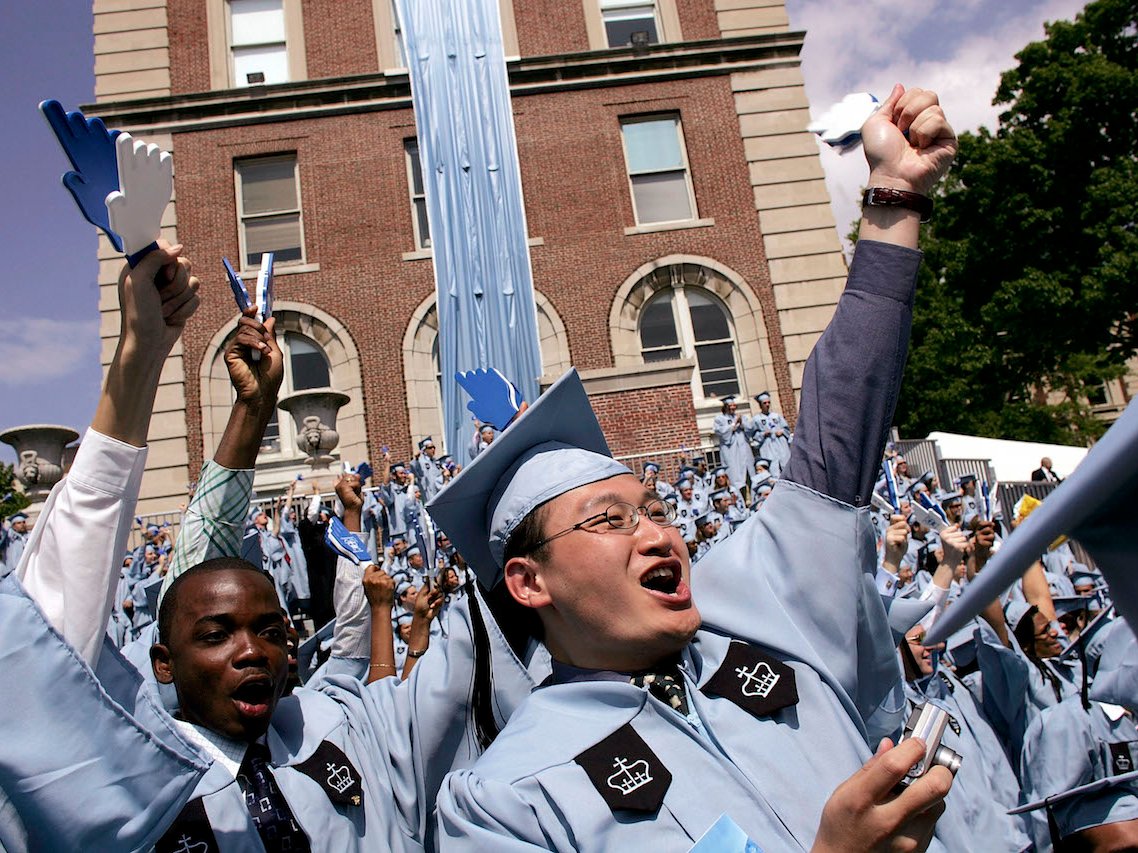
[(753, 680), (190, 832), (335, 773), (626, 772), (1121, 760)]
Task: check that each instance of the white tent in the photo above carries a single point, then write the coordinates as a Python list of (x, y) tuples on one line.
[(1012, 460)]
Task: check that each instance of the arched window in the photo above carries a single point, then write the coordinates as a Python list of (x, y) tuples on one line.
[(683, 320), (319, 353), (305, 368), (422, 372)]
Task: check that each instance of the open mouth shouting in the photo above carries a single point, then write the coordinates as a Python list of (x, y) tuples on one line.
[(255, 696), (665, 581)]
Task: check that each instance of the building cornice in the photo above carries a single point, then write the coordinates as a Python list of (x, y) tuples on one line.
[(392, 91)]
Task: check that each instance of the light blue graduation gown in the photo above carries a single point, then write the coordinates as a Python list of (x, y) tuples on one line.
[(771, 774), (11, 547), (1067, 746), (734, 451), (985, 787), (88, 761), (396, 499), (776, 448)]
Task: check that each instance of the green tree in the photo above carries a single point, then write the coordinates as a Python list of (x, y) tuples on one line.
[(11, 501), (1030, 281)]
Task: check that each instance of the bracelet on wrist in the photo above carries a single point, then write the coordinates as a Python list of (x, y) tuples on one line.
[(390, 666)]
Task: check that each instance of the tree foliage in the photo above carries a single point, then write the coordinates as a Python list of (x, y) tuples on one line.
[(11, 501), (1030, 281)]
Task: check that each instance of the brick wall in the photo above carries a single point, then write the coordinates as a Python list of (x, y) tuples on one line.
[(647, 419), (189, 46), (339, 38), (357, 225)]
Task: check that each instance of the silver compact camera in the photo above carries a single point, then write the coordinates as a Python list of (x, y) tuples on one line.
[(928, 723)]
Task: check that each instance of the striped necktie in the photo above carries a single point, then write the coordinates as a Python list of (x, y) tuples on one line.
[(667, 685)]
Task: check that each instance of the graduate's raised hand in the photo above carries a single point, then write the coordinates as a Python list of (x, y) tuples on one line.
[(867, 812), (908, 142), (153, 318), (256, 382), (349, 489), (379, 588)]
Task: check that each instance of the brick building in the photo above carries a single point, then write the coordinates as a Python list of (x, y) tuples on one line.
[(680, 231)]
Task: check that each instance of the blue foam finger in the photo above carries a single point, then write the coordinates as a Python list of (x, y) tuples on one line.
[(240, 294), (90, 148), (495, 400)]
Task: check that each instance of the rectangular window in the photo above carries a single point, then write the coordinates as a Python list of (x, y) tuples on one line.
[(257, 42), (268, 208), (622, 18), (657, 169), (418, 195)]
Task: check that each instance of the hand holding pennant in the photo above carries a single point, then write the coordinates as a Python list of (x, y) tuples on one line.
[(495, 400), (146, 182), (91, 149), (264, 290), (1095, 505)]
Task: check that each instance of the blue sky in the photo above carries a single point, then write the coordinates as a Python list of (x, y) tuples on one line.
[(49, 335)]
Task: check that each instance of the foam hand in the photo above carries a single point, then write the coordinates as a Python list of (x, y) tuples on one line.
[(494, 398), (91, 149), (840, 125), (146, 182)]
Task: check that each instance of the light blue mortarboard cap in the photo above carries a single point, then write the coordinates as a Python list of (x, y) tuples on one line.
[(553, 447)]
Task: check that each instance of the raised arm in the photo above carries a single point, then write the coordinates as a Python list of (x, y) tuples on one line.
[(215, 519), (853, 376), (76, 548)]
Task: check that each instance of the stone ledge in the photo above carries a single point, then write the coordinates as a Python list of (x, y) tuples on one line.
[(668, 226), (635, 377)]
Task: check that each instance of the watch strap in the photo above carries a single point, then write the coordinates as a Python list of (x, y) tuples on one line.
[(890, 197)]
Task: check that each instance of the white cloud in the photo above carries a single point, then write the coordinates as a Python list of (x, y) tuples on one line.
[(871, 47), (34, 349)]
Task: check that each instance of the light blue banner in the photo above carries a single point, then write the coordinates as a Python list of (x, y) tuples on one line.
[(468, 151)]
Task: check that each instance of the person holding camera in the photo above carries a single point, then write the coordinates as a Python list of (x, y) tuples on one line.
[(755, 713)]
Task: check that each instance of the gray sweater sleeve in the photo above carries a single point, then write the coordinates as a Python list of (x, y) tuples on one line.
[(853, 376)]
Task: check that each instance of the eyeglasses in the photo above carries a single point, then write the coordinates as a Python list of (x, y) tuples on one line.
[(622, 516)]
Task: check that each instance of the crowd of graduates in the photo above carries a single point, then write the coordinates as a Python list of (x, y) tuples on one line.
[(546, 650)]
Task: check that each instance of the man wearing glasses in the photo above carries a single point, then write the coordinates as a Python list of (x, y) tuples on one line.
[(756, 714)]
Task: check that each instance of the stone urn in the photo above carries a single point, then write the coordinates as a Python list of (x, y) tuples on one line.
[(314, 413), (40, 451)]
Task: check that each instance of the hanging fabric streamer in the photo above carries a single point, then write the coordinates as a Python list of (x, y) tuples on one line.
[(468, 153)]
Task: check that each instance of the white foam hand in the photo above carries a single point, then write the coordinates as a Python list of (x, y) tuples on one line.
[(146, 182)]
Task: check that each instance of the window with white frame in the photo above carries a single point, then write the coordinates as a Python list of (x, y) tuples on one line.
[(268, 209), (682, 321), (623, 18), (257, 42), (418, 195), (305, 368), (658, 169)]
